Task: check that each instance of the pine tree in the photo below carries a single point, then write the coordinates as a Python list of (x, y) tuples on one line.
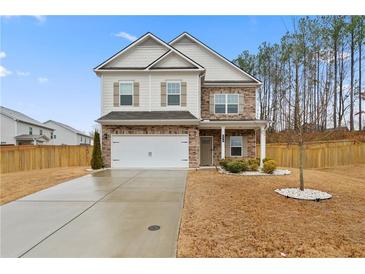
[(96, 160)]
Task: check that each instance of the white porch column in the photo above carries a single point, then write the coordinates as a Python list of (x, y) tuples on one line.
[(262, 145), (223, 142)]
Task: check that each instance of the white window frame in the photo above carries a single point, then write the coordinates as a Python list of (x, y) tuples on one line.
[(30, 131), (167, 93), (230, 146), (226, 103), (120, 92)]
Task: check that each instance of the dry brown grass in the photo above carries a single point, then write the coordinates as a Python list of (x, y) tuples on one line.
[(19, 184), (231, 216)]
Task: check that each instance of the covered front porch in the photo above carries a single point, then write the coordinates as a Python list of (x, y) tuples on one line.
[(237, 138)]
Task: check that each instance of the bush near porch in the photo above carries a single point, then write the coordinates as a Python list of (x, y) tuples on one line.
[(242, 165)]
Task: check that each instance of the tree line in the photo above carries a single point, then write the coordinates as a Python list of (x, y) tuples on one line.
[(312, 77)]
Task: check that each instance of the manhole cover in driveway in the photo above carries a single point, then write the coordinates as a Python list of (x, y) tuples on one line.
[(154, 227)]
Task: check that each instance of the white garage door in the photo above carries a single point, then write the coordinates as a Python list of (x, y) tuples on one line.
[(149, 151)]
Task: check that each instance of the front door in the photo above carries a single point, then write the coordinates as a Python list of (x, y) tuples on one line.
[(206, 149)]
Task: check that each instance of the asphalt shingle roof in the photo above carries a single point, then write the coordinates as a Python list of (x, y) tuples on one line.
[(148, 115), (68, 127), (16, 115)]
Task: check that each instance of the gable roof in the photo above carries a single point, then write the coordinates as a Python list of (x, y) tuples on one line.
[(186, 34), (18, 116), (137, 42), (67, 127), (165, 57)]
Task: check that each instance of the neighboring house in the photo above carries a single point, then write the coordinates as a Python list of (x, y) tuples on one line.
[(19, 129), (176, 104), (66, 135)]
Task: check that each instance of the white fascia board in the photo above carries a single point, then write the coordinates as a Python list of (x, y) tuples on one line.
[(199, 67), (231, 84), (133, 44), (149, 122), (233, 124), (152, 70), (215, 53)]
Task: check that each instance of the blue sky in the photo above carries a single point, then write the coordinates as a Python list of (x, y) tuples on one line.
[(46, 62)]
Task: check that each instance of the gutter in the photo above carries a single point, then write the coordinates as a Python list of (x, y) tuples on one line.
[(149, 122)]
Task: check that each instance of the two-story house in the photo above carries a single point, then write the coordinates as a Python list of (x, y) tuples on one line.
[(176, 104), (20, 129), (66, 135)]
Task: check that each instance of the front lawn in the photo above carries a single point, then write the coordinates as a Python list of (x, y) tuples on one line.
[(16, 185), (234, 216)]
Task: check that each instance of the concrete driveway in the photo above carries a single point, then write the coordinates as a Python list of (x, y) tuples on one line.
[(105, 214)]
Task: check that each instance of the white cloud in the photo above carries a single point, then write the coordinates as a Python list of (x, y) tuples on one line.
[(126, 36), (4, 72), (22, 73), (42, 80), (40, 18), (2, 54)]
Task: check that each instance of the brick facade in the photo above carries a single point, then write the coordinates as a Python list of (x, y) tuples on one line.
[(249, 102), (194, 141), (216, 133)]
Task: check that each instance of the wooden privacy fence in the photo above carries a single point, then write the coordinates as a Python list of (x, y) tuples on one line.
[(317, 154), (22, 158)]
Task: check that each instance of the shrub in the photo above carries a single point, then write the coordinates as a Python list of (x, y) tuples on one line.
[(96, 159), (253, 164), (267, 159), (269, 166), (234, 167), (254, 167), (223, 163), (253, 161), (244, 165)]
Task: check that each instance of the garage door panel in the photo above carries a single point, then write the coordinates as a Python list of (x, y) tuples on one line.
[(149, 151)]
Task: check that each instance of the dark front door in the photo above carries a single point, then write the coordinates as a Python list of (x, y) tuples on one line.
[(206, 149)]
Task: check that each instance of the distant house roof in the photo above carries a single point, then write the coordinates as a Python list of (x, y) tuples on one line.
[(27, 137), (148, 115), (68, 128), (18, 116)]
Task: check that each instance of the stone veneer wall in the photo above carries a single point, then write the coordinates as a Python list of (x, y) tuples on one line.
[(194, 152), (249, 103), (216, 133)]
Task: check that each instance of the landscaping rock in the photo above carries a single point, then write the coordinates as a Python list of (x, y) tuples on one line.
[(306, 194)]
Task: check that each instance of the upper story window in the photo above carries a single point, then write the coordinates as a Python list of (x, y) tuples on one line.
[(51, 134), (226, 103), (236, 146), (30, 131), (40, 132), (173, 93), (126, 93)]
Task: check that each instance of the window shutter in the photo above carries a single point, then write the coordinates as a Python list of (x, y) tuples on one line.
[(228, 146), (163, 94), (244, 144), (116, 94), (136, 94), (241, 105), (211, 103), (183, 94)]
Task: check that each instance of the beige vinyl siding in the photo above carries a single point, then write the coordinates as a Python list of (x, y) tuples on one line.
[(108, 95), (192, 90), (172, 60), (216, 69), (139, 56)]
